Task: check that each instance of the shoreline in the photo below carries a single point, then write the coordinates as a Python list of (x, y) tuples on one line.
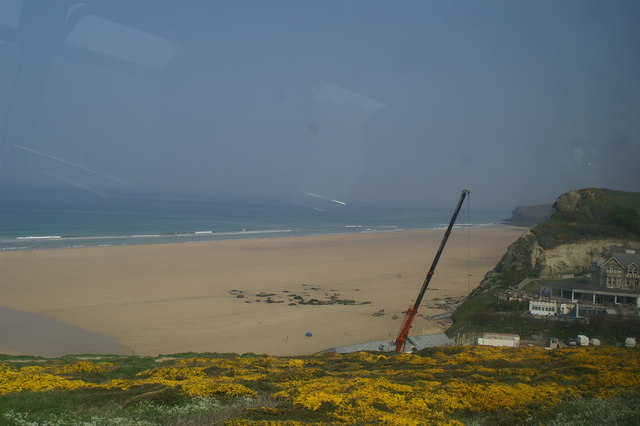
[(204, 236), (183, 297)]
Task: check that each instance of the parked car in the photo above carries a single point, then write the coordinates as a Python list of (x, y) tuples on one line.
[(582, 340), (630, 342), (571, 342), (553, 343)]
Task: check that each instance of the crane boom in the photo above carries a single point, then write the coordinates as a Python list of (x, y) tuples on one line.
[(413, 310)]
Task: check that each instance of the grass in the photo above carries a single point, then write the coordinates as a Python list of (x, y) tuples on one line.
[(464, 318), (582, 412)]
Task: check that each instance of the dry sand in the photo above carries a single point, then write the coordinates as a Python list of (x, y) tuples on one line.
[(162, 299)]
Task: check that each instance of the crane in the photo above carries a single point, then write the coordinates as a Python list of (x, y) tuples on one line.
[(413, 310)]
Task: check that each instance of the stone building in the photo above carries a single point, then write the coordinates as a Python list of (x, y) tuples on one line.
[(620, 270), (613, 289)]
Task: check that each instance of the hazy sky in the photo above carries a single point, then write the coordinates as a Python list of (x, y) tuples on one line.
[(385, 101)]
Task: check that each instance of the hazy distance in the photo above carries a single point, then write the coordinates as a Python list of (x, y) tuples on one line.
[(361, 101)]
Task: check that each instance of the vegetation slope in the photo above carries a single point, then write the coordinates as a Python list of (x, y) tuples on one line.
[(452, 385)]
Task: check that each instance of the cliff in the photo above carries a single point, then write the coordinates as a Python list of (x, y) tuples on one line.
[(584, 224)]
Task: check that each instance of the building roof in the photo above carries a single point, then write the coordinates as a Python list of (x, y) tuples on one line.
[(625, 259), (590, 287), (420, 342), (501, 336), (430, 340)]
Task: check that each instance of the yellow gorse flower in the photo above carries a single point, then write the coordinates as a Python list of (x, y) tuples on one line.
[(370, 387)]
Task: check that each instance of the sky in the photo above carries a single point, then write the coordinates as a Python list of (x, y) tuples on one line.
[(392, 102)]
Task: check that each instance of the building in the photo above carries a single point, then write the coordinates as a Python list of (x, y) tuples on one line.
[(614, 288), (499, 339), (413, 343), (589, 293), (569, 308), (620, 270), (615, 283), (550, 307), (543, 308)]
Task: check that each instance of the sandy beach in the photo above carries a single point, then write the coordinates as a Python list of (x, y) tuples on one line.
[(241, 295)]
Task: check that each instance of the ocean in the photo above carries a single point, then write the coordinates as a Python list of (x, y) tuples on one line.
[(113, 221)]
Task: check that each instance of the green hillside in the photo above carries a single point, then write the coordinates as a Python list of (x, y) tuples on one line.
[(441, 386), (591, 214)]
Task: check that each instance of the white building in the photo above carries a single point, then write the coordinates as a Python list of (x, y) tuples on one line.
[(499, 339), (549, 308), (538, 307)]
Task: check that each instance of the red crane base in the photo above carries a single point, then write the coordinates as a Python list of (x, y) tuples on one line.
[(401, 340)]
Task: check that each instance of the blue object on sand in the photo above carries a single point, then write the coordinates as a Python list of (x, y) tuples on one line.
[(308, 334)]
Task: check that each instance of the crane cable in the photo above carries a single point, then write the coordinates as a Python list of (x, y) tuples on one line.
[(468, 246)]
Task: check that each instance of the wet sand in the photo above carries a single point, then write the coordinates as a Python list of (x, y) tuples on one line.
[(206, 296), (22, 333)]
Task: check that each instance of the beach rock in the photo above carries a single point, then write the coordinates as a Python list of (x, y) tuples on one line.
[(295, 299)]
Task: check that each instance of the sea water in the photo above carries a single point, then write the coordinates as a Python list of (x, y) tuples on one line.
[(27, 226)]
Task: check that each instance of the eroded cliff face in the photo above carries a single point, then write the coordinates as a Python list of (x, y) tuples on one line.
[(523, 254), (576, 258), (526, 253)]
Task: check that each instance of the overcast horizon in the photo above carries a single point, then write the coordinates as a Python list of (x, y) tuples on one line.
[(399, 103)]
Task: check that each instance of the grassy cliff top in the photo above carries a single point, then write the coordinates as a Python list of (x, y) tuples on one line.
[(591, 213)]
